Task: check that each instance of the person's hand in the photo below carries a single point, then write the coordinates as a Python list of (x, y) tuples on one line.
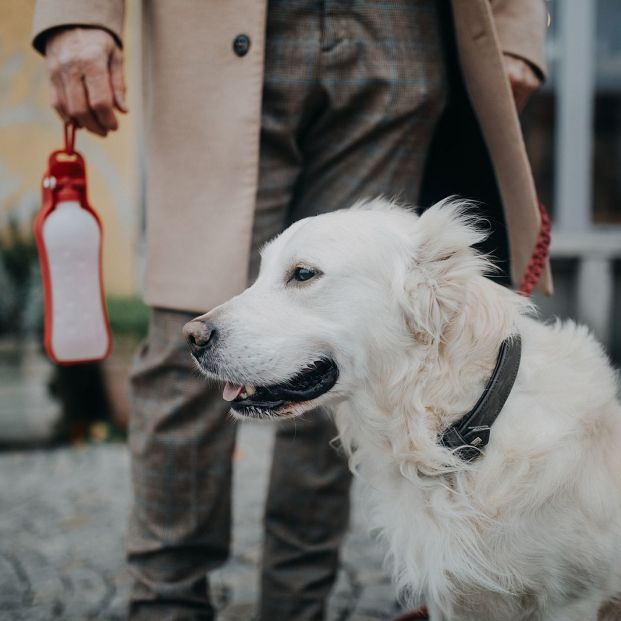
[(523, 79), (85, 68)]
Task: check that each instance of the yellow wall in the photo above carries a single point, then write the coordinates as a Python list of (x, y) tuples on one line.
[(30, 129)]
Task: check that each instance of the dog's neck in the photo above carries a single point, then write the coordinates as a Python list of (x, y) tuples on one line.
[(456, 369), (436, 383)]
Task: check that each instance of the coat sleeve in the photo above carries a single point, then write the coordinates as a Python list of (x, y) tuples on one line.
[(50, 14), (521, 28)]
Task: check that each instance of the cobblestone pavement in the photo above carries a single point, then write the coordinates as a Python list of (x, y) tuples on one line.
[(62, 520)]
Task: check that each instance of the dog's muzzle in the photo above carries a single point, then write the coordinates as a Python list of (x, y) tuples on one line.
[(308, 383)]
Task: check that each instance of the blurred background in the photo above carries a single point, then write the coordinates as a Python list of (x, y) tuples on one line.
[(573, 135), (39, 403)]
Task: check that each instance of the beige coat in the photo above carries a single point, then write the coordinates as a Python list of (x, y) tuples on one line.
[(202, 113)]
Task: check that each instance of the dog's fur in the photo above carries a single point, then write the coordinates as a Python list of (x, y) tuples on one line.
[(531, 530)]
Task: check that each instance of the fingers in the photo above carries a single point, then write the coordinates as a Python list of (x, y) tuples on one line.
[(521, 97), (117, 79), (100, 97), (522, 79), (520, 91), (58, 100), (78, 104), (86, 74)]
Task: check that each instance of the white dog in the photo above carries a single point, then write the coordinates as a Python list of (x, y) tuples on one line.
[(387, 317)]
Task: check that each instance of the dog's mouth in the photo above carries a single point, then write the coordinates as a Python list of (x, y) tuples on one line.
[(307, 385)]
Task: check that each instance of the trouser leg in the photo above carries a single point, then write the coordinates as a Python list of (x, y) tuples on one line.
[(181, 441), (306, 519)]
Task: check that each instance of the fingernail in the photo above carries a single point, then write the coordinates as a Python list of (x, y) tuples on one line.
[(120, 100)]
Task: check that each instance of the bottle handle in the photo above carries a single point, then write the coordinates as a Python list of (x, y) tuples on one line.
[(70, 130)]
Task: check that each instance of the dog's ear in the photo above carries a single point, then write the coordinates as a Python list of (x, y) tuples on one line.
[(442, 262)]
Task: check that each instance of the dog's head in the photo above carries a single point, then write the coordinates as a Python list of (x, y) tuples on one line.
[(337, 298)]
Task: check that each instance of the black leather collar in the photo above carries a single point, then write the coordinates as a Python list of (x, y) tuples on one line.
[(470, 434)]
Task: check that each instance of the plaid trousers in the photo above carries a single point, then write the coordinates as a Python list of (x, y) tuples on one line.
[(352, 92)]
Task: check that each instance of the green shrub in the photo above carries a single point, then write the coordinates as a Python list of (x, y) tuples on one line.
[(129, 316)]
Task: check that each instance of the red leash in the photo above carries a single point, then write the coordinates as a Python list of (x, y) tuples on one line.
[(540, 255)]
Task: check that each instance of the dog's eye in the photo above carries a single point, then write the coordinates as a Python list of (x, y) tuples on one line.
[(302, 273)]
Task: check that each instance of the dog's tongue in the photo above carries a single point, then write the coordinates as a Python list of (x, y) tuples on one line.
[(231, 391)]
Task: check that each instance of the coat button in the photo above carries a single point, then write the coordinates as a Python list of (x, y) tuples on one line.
[(241, 44)]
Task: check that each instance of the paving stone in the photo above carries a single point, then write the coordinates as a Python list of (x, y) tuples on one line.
[(63, 515), (237, 612), (375, 601)]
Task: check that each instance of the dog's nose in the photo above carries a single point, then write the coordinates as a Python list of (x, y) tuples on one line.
[(200, 335)]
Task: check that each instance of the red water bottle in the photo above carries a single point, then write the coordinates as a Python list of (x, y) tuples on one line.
[(68, 233)]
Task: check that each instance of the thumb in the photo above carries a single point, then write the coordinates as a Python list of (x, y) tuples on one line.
[(117, 79)]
